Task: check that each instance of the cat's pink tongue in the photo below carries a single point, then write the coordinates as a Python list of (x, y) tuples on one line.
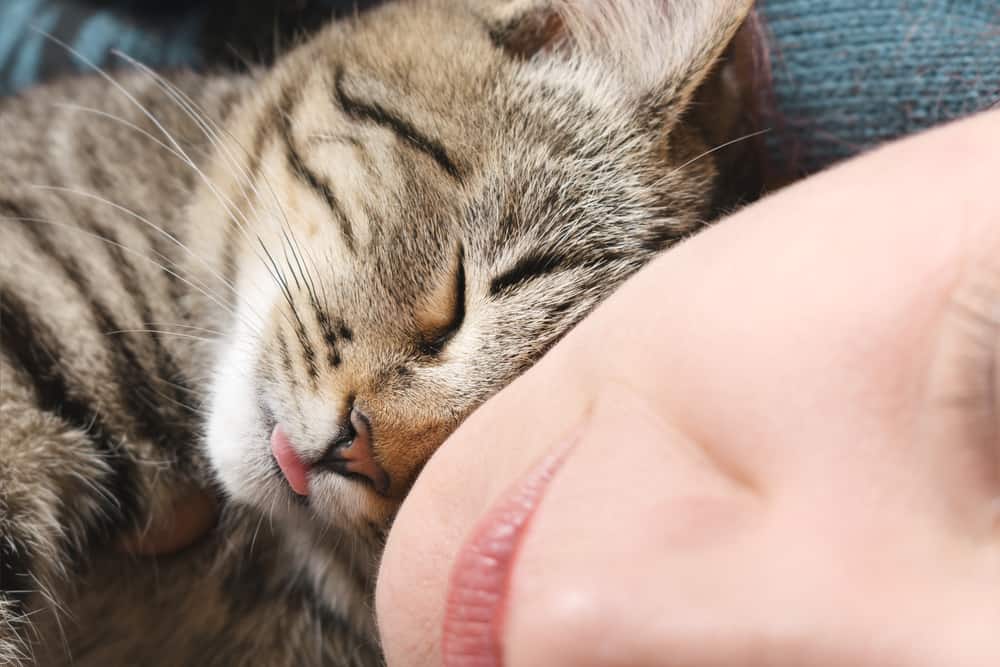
[(291, 465)]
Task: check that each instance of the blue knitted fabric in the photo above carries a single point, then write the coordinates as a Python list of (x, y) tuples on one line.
[(27, 57), (158, 33), (850, 74)]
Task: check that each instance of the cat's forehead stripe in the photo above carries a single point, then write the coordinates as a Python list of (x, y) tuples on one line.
[(305, 174), (377, 113)]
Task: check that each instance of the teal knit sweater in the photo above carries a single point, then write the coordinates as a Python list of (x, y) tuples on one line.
[(850, 74)]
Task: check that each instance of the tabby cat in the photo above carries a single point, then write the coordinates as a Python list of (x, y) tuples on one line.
[(298, 282)]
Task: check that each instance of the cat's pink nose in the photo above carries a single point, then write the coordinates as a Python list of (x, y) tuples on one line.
[(351, 454), (292, 467)]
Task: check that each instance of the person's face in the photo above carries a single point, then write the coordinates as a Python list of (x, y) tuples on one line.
[(778, 445)]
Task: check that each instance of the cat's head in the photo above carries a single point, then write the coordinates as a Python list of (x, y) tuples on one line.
[(418, 203)]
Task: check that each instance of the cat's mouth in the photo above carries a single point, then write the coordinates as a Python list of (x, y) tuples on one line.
[(351, 459), (294, 469), (269, 425)]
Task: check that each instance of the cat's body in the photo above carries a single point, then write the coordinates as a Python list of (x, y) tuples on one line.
[(370, 239), (91, 304)]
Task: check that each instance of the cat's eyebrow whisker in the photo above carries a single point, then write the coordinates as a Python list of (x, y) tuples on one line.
[(152, 117), (104, 114), (130, 97), (213, 132), (181, 325), (209, 129)]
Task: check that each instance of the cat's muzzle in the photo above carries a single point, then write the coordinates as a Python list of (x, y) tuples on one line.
[(350, 454)]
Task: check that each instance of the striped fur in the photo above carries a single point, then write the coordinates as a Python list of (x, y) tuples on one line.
[(398, 230)]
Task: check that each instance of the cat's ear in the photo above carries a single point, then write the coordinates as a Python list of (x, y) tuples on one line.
[(525, 27), (665, 48)]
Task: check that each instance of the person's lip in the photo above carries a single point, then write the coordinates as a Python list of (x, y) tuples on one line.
[(472, 631)]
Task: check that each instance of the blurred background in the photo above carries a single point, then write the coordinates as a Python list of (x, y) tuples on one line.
[(832, 77)]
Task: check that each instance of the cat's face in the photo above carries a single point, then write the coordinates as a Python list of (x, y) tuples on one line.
[(427, 199)]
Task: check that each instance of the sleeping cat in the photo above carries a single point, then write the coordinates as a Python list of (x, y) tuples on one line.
[(294, 284)]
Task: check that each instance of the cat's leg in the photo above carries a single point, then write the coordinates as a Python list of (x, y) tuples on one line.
[(58, 493)]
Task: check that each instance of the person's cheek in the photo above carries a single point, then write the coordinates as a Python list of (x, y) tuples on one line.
[(640, 545), (646, 552)]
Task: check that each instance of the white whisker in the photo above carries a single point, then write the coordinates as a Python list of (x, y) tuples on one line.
[(749, 135), (159, 331), (186, 104), (223, 200), (122, 121), (155, 227), (204, 291), (213, 132)]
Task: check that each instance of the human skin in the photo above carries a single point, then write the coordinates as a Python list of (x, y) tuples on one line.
[(779, 445)]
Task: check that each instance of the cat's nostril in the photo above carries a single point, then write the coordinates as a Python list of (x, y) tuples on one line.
[(344, 437), (351, 453)]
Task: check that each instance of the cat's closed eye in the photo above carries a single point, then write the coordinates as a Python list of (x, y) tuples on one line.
[(441, 315)]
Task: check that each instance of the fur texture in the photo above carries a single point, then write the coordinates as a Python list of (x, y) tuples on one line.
[(390, 225)]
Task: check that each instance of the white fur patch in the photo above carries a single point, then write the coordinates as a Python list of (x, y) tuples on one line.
[(235, 443)]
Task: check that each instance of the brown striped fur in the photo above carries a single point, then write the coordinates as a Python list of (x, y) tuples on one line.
[(400, 217)]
